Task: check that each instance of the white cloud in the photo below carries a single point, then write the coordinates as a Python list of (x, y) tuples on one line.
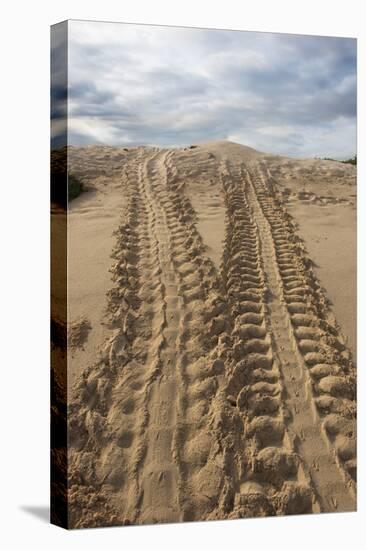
[(171, 86)]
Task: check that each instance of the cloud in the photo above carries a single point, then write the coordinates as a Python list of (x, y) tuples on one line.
[(136, 84), (58, 86)]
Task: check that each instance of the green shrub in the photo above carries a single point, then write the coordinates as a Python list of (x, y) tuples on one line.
[(348, 161), (74, 187), (351, 161)]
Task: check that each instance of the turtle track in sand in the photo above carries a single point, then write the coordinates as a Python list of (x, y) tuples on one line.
[(145, 453), (315, 358), (220, 393), (265, 473)]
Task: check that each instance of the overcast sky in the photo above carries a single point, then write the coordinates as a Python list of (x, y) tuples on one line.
[(287, 94)]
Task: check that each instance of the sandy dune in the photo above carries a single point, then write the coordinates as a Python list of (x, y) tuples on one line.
[(213, 380)]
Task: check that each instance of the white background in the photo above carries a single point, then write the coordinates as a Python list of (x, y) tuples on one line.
[(24, 307)]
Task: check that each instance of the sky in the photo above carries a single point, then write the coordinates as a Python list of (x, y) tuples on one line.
[(292, 95)]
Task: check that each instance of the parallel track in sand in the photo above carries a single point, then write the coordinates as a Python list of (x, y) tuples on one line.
[(220, 394), (319, 463)]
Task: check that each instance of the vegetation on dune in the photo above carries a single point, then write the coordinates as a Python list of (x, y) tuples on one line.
[(353, 160), (74, 187), (65, 186)]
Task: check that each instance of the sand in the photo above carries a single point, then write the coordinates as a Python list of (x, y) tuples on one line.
[(92, 219), (212, 321)]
